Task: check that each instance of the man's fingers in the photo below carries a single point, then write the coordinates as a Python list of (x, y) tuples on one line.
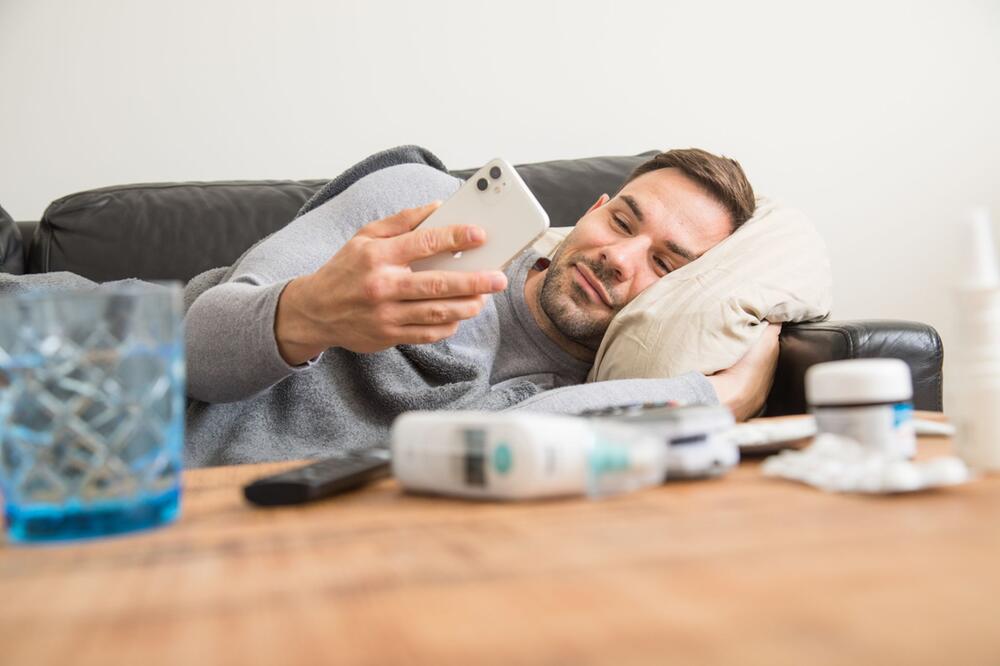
[(769, 339), (437, 312), (761, 353), (425, 285), (401, 222), (767, 342), (422, 243), (422, 335)]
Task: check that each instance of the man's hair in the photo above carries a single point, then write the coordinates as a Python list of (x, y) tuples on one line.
[(722, 178)]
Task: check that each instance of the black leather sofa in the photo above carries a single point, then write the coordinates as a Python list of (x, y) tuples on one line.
[(177, 230)]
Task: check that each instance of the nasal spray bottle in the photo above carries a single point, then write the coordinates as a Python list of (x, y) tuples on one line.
[(977, 355)]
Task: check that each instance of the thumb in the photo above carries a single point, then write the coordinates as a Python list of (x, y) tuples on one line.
[(400, 223)]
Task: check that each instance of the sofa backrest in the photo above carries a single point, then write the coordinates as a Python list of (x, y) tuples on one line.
[(27, 232), (177, 230)]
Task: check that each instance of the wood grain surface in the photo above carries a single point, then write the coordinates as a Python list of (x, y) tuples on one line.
[(741, 570)]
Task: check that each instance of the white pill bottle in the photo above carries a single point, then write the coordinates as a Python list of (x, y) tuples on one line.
[(976, 359), (869, 400)]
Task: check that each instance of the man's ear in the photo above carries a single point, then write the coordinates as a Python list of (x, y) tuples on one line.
[(601, 200)]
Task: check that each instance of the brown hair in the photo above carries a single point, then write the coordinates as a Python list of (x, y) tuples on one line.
[(722, 178)]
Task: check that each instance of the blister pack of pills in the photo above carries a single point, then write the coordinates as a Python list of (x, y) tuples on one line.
[(840, 464)]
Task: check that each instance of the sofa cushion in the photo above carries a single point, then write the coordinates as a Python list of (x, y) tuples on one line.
[(162, 231), (11, 248)]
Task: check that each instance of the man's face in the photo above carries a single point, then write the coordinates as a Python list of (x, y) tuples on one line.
[(659, 222)]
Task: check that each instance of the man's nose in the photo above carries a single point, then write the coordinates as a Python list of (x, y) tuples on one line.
[(623, 256)]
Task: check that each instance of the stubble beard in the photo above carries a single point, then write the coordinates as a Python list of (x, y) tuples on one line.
[(566, 303)]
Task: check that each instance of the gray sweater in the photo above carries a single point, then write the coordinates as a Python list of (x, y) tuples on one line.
[(248, 405)]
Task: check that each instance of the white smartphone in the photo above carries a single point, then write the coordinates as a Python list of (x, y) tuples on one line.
[(496, 199)]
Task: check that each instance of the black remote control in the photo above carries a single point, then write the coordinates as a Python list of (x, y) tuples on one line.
[(326, 477)]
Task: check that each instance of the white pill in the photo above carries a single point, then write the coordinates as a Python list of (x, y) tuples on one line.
[(901, 477)]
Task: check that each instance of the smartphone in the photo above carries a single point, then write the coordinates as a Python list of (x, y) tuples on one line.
[(496, 199)]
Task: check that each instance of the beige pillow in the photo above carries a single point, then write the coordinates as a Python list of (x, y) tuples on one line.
[(705, 315)]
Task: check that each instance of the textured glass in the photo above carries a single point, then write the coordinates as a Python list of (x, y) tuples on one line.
[(91, 410)]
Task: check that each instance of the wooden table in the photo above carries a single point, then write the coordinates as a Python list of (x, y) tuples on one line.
[(742, 570)]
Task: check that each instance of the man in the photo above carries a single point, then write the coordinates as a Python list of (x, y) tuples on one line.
[(321, 336)]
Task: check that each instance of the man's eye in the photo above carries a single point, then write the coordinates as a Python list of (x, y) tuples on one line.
[(621, 223), (662, 264)]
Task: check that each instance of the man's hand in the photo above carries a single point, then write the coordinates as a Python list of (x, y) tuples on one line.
[(743, 388), (365, 298)]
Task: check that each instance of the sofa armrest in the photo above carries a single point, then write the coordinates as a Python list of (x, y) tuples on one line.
[(803, 345)]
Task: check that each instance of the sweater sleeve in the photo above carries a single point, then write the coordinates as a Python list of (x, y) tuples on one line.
[(689, 389), (231, 350)]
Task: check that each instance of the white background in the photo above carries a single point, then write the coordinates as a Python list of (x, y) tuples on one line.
[(880, 120)]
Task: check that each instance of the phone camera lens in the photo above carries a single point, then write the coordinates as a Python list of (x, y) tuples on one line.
[(482, 184), (495, 172)]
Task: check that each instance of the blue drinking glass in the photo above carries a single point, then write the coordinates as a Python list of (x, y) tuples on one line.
[(91, 410)]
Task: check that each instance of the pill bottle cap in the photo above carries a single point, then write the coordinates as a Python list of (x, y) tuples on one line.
[(859, 381)]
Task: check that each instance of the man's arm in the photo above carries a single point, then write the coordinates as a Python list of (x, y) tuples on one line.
[(744, 387)]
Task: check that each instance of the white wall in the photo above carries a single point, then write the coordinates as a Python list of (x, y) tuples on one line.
[(881, 120)]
